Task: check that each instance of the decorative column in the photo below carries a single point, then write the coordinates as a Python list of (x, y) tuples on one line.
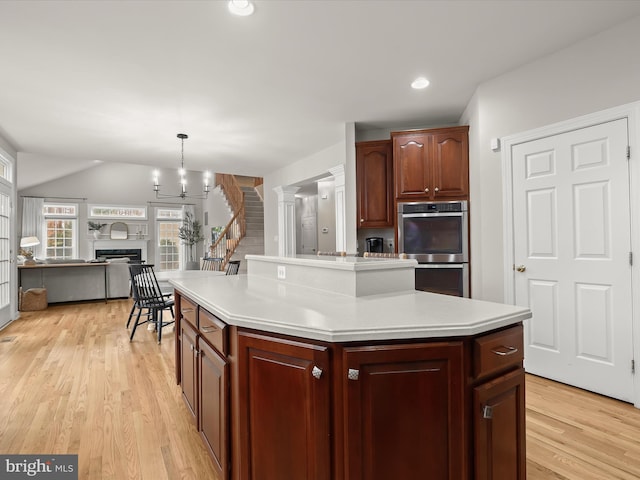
[(286, 220), (341, 225)]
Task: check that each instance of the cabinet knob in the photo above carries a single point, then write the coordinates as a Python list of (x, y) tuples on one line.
[(487, 412), (361, 220), (436, 189), (316, 372), (353, 374), (426, 190)]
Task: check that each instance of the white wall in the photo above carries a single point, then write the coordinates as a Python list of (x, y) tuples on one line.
[(117, 184), (313, 167), (592, 75)]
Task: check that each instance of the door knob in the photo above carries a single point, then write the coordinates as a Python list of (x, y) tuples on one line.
[(521, 268)]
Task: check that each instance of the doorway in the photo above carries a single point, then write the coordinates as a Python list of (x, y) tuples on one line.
[(571, 242)]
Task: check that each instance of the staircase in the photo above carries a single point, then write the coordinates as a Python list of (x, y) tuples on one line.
[(253, 241)]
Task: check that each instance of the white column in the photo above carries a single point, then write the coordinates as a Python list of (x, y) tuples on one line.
[(341, 225), (286, 220)]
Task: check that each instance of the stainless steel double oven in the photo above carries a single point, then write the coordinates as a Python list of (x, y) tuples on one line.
[(436, 234)]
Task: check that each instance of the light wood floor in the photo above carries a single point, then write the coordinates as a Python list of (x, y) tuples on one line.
[(70, 382)]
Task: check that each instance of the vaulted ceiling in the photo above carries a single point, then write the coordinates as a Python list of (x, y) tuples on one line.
[(114, 81)]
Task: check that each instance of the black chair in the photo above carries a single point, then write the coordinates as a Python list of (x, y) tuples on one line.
[(148, 297), (232, 267)]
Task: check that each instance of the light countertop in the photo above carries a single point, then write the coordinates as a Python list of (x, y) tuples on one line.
[(279, 307)]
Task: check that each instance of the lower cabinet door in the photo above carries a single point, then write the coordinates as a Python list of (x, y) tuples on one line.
[(188, 366), (499, 425), (285, 414), (404, 412), (213, 402)]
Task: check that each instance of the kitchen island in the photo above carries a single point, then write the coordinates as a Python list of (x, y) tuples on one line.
[(286, 381)]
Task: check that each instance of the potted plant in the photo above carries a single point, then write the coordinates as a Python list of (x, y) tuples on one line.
[(190, 233), (96, 228)]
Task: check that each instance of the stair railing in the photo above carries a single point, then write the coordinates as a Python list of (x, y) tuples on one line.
[(227, 241)]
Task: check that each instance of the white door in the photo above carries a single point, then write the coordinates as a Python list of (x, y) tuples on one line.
[(6, 255), (309, 235), (571, 222)]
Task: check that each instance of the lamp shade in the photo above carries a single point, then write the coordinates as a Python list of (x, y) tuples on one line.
[(29, 241)]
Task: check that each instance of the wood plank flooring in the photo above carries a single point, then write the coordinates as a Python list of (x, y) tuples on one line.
[(71, 382)]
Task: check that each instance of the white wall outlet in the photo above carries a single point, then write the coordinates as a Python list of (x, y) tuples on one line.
[(282, 272)]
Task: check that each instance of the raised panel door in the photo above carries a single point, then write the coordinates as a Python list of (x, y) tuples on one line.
[(285, 414), (451, 164), (188, 366), (214, 413), (412, 166), (499, 426), (404, 407), (374, 173)]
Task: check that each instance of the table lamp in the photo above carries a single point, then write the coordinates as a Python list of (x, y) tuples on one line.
[(26, 242)]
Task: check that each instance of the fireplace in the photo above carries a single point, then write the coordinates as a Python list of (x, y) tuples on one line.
[(134, 254)]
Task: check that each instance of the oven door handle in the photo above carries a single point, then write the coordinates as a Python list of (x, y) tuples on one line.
[(435, 214), (459, 266)]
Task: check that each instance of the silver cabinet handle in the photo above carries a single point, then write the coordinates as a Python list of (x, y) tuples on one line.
[(436, 189), (487, 412), (208, 329), (426, 190), (316, 372), (507, 350), (353, 374)]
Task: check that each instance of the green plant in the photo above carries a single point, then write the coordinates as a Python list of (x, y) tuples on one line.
[(190, 233), (95, 226)]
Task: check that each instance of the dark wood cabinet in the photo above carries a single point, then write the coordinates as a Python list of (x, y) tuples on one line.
[(275, 407), (203, 373), (285, 412), (499, 423), (498, 406), (189, 367), (431, 164), (404, 408), (374, 174), (213, 406)]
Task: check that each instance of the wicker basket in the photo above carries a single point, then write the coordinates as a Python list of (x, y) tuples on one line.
[(33, 299)]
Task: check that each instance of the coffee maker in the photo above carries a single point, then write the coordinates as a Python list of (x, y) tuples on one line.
[(374, 245)]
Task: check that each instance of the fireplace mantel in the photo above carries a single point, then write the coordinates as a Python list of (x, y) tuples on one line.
[(125, 244)]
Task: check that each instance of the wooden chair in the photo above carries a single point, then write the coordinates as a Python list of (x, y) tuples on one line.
[(232, 267), (148, 297), (402, 256), (211, 264)]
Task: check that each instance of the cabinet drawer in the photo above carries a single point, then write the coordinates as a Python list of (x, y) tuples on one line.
[(498, 351), (214, 331), (189, 311)]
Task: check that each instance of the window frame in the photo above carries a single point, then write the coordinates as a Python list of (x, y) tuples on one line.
[(52, 216)]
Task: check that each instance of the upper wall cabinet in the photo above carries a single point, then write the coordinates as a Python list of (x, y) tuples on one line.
[(374, 173), (431, 164)]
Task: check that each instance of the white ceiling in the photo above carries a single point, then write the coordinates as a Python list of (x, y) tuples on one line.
[(115, 81)]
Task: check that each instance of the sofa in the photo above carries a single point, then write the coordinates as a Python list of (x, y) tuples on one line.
[(76, 282)]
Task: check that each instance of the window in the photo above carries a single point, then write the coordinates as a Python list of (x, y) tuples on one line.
[(119, 212), (168, 221), (61, 227)]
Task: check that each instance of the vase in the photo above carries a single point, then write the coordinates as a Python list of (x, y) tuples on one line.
[(96, 234)]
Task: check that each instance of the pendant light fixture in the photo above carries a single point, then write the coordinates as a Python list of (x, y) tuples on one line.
[(183, 179)]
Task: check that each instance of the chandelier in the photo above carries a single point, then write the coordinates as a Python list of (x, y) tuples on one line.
[(183, 179)]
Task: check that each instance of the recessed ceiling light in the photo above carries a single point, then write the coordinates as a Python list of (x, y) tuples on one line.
[(243, 8), (420, 83)]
